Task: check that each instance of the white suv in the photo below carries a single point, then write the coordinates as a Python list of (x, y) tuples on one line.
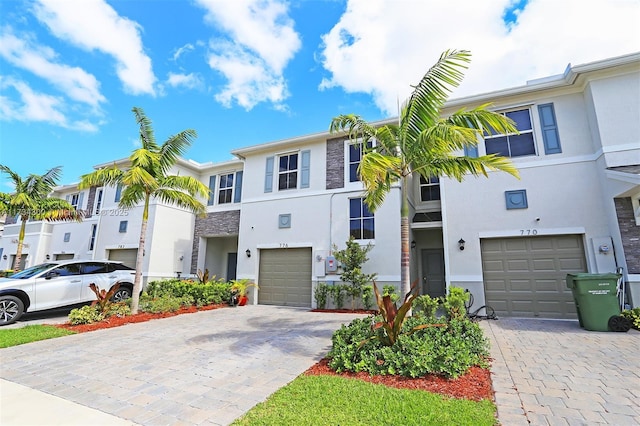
[(57, 284)]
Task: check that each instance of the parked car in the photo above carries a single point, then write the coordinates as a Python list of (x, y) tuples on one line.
[(59, 284)]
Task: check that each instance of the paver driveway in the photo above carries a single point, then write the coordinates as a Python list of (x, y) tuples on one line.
[(552, 372), (204, 368)]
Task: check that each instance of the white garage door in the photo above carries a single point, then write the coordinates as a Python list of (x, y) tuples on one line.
[(526, 276), (285, 277), (126, 256)]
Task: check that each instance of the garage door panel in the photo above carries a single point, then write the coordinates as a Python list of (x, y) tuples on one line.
[(285, 277), (532, 280)]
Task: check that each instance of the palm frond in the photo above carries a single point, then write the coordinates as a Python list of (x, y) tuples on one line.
[(180, 199), (175, 147), (132, 196), (105, 176), (353, 125), (186, 183), (57, 209), (147, 138)]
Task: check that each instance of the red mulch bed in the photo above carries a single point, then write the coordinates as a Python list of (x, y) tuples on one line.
[(130, 319), (474, 385)]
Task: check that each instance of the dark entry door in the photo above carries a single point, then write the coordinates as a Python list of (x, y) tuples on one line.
[(433, 281), (232, 264)]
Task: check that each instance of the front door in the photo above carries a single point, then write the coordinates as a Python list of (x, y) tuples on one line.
[(433, 281), (232, 265)]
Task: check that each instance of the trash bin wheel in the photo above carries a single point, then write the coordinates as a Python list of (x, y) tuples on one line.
[(619, 323)]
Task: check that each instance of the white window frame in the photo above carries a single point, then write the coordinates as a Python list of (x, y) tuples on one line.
[(429, 184), (521, 132), (73, 200), (227, 189), (92, 238), (289, 171), (361, 219), (347, 159)]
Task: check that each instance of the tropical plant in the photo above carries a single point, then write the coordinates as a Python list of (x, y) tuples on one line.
[(338, 292), (367, 297), (634, 316), (203, 277), (30, 200), (242, 286), (426, 305), (147, 178), (103, 301), (393, 317), (455, 303), (424, 143), (352, 258)]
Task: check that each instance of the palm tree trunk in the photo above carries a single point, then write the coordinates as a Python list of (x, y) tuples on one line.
[(17, 260), (404, 240), (137, 282)]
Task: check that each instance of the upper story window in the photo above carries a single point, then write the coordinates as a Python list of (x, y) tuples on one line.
[(361, 221), (225, 190), (430, 189), (513, 145), (98, 203), (227, 186), (288, 171), (355, 156), (75, 200)]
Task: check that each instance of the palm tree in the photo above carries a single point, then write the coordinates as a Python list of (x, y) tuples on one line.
[(31, 200), (146, 178), (423, 142)]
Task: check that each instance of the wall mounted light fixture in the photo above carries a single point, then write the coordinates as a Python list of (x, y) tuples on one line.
[(461, 244), (413, 244), (4, 257), (47, 257), (248, 253)]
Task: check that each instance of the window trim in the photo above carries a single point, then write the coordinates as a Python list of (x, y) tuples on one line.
[(92, 238), (361, 219), (348, 143), (226, 189), (430, 185), (97, 205)]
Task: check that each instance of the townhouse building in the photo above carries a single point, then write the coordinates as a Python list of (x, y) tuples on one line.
[(278, 211)]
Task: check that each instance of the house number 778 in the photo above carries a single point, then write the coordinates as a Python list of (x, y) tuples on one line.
[(284, 245)]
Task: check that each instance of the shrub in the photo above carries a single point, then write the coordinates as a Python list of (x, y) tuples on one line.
[(447, 351), (367, 297), (320, 295), (426, 305), (634, 316), (212, 292), (164, 303), (121, 309), (337, 294), (85, 315), (390, 290), (454, 303), (352, 258)]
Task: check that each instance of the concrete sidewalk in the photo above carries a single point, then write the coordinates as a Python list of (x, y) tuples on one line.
[(552, 372), (206, 368)]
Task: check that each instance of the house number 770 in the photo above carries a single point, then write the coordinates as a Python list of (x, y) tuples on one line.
[(528, 232)]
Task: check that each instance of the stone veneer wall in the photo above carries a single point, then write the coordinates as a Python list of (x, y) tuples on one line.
[(90, 200), (219, 224), (630, 233), (335, 163)]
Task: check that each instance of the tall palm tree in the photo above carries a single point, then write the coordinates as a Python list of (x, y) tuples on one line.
[(423, 142), (30, 200), (146, 178)]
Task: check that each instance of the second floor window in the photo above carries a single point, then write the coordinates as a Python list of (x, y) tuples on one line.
[(225, 190), (74, 200), (513, 145), (355, 156), (98, 201), (361, 222), (429, 189), (288, 171)]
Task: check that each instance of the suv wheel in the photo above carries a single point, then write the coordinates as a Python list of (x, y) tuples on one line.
[(121, 295), (11, 308)]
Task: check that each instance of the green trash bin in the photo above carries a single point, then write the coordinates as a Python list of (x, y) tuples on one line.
[(596, 298)]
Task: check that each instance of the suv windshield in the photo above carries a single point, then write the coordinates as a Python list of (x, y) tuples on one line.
[(34, 270)]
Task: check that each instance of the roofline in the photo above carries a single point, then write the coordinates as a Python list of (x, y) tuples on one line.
[(568, 78)]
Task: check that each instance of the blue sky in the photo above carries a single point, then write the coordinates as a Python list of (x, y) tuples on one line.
[(254, 71)]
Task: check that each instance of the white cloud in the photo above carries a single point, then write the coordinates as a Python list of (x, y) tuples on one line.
[(188, 81), (93, 24), (263, 43), (43, 62), (182, 50), (34, 106), (381, 47)]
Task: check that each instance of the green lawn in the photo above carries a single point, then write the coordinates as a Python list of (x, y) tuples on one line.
[(30, 333), (331, 400)]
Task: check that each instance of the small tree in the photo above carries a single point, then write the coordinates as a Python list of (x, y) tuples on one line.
[(352, 258)]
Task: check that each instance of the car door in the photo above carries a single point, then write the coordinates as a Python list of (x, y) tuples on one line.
[(94, 273), (60, 286)]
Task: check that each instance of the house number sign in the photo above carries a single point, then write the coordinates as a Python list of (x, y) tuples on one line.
[(528, 232)]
